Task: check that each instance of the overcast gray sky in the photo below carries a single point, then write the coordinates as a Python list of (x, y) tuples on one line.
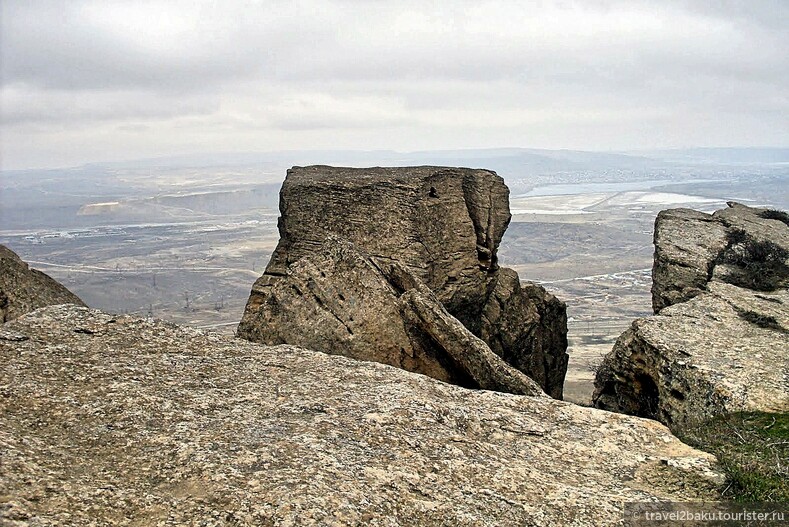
[(92, 81)]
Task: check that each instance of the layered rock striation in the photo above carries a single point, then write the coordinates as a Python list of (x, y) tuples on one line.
[(440, 227), (341, 301), (719, 342), (23, 289), (118, 420)]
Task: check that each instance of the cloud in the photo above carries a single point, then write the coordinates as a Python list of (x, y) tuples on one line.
[(29, 104), (405, 74)]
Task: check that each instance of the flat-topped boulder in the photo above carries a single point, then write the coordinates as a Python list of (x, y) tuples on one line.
[(444, 225), (23, 289), (118, 420), (441, 225), (719, 342)]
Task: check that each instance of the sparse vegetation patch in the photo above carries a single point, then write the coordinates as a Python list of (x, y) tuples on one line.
[(761, 263), (753, 449), (761, 320), (773, 214)]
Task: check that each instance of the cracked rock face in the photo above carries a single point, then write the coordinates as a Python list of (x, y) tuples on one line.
[(117, 420), (719, 342), (444, 225), (518, 316), (23, 289), (441, 225), (692, 248)]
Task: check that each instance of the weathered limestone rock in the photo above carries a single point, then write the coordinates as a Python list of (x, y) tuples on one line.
[(443, 226), (757, 255), (23, 289), (691, 247), (339, 301), (518, 316), (726, 350), (117, 420), (720, 341), (687, 243), (486, 369)]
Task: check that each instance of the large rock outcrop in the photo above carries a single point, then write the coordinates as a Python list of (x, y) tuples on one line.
[(341, 301), (118, 420), (720, 340), (442, 226), (23, 289)]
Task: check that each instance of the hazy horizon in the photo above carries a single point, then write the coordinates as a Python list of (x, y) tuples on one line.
[(736, 155), (87, 81)]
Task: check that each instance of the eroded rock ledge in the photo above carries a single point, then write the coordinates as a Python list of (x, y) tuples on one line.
[(720, 340), (117, 420), (440, 227), (23, 289)]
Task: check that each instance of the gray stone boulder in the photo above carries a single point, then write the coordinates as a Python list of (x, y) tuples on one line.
[(23, 289), (118, 420), (444, 225), (741, 245), (723, 351), (687, 244), (720, 340), (441, 225)]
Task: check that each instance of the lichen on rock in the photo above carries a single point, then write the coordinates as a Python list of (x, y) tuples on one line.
[(119, 420)]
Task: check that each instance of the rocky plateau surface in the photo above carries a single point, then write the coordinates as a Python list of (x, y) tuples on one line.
[(719, 342), (440, 228), (118, 420), (23, 289)]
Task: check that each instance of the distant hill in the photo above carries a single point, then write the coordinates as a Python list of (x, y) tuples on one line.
[(722, 156)]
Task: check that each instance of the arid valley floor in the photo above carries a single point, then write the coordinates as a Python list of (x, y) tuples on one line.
[(186, 243)]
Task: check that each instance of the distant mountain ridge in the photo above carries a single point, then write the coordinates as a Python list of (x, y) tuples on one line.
[(571, 158)]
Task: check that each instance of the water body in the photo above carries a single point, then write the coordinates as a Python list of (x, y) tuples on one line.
[(567, 189)]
